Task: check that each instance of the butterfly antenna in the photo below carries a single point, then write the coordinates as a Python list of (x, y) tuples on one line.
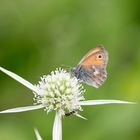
[(66, 67)]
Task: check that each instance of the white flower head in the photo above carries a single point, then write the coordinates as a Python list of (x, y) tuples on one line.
[(60, 91)]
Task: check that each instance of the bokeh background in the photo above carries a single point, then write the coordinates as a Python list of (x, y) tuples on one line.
[(38, 36)]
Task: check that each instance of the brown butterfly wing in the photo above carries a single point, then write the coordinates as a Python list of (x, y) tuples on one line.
[(91, 57), (92, 68)]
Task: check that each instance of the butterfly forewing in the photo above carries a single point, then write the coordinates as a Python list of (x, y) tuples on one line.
[(91, 58)]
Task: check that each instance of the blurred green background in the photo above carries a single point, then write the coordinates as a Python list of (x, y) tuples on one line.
[(38, 36)]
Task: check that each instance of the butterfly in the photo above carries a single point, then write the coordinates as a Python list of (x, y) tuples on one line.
[(92, 67)]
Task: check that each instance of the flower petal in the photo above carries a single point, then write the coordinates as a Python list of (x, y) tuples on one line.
[(99, 102), (78, 115), (21, 80), (38, 137), (22, 109), (57, 127)]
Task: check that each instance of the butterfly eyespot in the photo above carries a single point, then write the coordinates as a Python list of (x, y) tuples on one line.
[(99, 56)]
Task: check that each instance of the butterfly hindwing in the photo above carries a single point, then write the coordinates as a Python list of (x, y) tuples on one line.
[(93, 76)]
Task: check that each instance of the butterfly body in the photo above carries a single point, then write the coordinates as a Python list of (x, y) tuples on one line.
[(92, 68)]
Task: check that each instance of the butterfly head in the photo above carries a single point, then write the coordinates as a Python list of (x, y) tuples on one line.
[(73, 70)]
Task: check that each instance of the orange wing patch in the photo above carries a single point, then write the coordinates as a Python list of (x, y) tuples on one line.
[(91, 53), (92, 60)]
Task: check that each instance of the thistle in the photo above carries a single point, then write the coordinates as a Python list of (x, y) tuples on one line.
[(60, 92)]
